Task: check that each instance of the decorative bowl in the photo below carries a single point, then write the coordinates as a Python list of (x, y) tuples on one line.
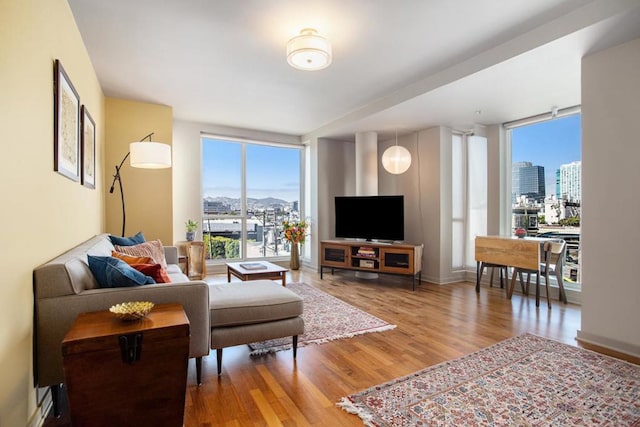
[(521, 233), (132, 310)]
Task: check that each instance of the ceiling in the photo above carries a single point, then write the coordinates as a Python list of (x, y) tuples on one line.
[(397, 65)]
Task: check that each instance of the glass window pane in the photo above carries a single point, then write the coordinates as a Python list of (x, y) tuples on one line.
[(457, 245), (546, 183), (476, 193), (273, 194), (222, 198), (457, 178)]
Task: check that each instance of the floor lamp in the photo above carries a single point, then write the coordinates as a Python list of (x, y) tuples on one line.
[(145, 155)]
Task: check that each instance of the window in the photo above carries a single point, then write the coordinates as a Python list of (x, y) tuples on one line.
[(249, 189), (469, 197), (546, 181)]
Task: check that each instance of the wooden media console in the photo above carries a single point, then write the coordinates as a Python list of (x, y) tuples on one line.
[(391, 258)]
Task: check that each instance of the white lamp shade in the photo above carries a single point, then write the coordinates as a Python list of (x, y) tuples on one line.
[(396, 159), (309, 51), (150, 155)]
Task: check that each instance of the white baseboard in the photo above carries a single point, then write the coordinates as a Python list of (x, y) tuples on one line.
[(42, 410), (610, 343)]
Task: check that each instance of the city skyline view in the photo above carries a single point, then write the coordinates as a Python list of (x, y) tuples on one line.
[(550, 144)]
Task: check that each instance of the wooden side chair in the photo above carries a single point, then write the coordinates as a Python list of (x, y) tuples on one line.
[(552, 262), (196, 260), (555, 253)]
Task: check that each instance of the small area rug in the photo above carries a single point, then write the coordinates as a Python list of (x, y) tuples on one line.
[(524, 381), (326, 318)]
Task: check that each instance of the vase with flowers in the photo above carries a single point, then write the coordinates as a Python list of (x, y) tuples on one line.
[(295, 232)]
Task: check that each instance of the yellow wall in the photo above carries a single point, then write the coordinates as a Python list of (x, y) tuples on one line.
[(148, 192), (42, 213)]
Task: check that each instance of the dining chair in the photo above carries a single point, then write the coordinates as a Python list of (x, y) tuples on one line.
[(552, 262), (555, 253)]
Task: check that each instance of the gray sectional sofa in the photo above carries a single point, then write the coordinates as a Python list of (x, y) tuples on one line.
[(65, 287)]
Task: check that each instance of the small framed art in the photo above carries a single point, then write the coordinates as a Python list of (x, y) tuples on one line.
[(66, 125), (88, 149)]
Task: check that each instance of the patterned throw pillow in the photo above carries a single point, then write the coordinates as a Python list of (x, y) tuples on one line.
[(152, 249), (131, 260), (155, 271), (114, 273), (128, 241)]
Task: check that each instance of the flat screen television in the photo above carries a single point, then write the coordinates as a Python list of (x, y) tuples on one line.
[(370, 217)]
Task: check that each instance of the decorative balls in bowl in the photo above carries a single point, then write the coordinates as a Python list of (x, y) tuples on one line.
[(521, 232), (132, 310)]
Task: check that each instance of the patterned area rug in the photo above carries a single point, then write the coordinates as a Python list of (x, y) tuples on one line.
[(326, 318), (524, 381)]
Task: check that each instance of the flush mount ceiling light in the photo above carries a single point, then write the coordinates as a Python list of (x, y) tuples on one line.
[(396, 159), (309, 51)]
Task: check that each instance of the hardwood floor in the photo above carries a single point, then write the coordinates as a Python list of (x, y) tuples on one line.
[(434, 324)]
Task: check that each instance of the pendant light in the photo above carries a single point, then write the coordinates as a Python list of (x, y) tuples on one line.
[(396, 159)]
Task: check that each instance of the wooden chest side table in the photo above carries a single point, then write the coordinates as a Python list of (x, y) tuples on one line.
[(127, 373)]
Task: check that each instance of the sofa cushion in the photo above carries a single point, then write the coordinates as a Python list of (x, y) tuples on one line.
[(258, 301), (176, 274), (127, 241), (155, 271), (152, 249), (114, 273), (131, 260)]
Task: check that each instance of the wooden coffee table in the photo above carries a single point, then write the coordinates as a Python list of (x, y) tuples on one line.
[(256, 270)]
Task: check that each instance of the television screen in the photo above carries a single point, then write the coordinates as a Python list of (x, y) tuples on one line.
[(370, 217)]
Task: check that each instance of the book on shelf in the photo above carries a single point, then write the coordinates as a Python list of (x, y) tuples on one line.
[(253, 266), (365, 251)]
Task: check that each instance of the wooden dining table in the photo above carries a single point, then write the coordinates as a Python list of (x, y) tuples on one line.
[(509, 251)]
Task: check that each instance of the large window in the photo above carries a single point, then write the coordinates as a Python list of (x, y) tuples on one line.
[(249, 189), (545, 190), (469, 197)]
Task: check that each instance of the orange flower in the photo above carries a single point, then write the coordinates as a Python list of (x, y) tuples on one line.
[(295, 232)]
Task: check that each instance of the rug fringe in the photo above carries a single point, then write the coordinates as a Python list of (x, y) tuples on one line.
[(351, 335), (347, 405), (263, 351)]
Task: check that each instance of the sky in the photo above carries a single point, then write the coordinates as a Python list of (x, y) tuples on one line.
[(271, 171), (550, 144)]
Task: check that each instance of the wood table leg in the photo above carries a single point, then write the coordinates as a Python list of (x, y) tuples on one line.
[(513, 283), (228, 275), (284, 278)]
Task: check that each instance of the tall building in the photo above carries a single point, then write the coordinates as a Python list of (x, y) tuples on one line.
[(558, 184), (527, 180), (570, 177)]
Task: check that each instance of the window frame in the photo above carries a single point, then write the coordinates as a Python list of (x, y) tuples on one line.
[(244, 142), (506, 218)]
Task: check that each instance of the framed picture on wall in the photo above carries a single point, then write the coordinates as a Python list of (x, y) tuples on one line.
[(88, 149), (66, 125)]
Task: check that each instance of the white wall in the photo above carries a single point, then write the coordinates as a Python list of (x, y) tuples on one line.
[(611, 206), (336, 177), (421, 186), (497, 164)]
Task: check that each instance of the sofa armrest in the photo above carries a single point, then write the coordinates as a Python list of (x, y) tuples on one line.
[(171, 254), (54, 317)]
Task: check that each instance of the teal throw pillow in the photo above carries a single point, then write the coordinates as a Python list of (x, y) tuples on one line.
[(114, 273), (128, 241)]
